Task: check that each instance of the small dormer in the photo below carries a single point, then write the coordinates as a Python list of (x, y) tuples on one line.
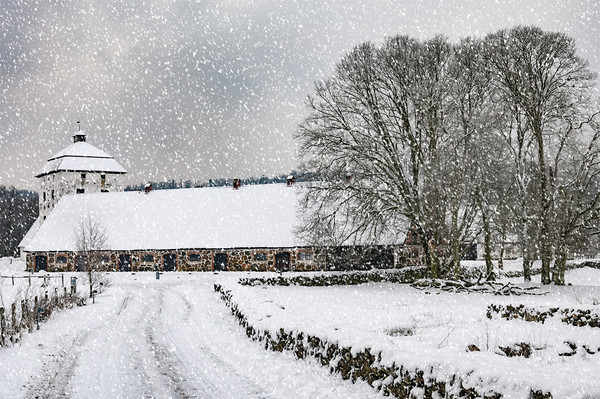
[(290, 180)]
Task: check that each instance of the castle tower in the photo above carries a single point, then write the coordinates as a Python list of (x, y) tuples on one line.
[(79, 168)]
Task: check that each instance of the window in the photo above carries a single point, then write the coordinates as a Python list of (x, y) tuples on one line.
[(61, 259), (103, 180), (148, 258), (194, 257), (305, 256), (260, 256), (83, 179), (80, 191), (104, 259)]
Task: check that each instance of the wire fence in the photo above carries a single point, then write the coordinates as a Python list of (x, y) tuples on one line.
[(17, 320), (45, 277)]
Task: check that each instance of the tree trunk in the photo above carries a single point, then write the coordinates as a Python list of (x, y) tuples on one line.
[(489, 266), (526, 251), (501, 254), (546, 260), (455, 246), (559, 267), (545, 234)]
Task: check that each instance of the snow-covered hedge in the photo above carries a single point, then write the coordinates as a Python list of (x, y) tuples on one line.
[(575, 317), (406, 275), (364, 364), (23, 316)]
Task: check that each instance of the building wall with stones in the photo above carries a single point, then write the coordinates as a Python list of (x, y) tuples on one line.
[(237, 259)]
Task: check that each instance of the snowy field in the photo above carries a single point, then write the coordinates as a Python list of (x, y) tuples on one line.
[(175, 338)]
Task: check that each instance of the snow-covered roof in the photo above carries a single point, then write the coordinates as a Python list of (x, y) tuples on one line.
[(81, 157), (31, 232), (215, 217)]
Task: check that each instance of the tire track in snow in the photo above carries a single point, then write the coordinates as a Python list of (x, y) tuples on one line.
[(60, 366), (167, 362), (57, 371), (210, 356)]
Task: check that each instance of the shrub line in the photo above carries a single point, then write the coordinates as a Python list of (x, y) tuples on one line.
[(395, 380)]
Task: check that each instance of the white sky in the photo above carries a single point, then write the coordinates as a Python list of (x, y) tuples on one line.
[(182, 89)]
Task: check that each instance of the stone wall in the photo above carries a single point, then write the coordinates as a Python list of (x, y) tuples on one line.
[(391, 380), (406, 275), (238, 259), (574, 317), (188, 260)]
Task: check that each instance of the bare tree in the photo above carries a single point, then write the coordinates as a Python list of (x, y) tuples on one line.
[(576, 195), (475, 154), (458, 141), (90, 240), (547, 87), (378, 130)]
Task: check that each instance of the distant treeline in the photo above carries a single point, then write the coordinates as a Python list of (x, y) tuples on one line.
[(18, 211), (176, 184)]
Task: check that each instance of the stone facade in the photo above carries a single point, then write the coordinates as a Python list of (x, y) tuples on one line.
[(234, 259), (55, 185)]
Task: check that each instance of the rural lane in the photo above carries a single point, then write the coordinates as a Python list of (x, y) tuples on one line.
[(167, 338)]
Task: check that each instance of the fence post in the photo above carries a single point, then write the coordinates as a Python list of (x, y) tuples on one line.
[(24, 317), (13, 279), (13, 311), (29, 280), (62, 276), (2, 326)]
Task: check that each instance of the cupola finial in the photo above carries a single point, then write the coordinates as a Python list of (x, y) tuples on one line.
[(77, 137)]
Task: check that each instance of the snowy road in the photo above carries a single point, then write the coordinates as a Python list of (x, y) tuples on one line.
[(171, 338)]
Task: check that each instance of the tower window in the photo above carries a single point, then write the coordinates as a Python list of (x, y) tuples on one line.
[(103, 180), (83, 179)]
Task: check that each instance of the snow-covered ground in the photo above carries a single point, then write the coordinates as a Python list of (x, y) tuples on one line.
[(423, 329), (171, 338), (16, 284), (174, 337)]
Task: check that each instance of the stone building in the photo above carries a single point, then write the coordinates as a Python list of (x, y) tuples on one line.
[(78, 169), (196, 229), (203, 229)]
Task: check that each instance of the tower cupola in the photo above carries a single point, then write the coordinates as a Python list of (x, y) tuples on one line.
[(79, 168), (79, 136)]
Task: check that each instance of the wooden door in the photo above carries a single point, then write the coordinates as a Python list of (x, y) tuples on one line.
[(169, 262), (220, 262), (282, 261)]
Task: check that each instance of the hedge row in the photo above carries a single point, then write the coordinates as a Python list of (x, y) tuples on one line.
[(32, 311), (570, 266), (575, 317), (407, 275), (394, 380)]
